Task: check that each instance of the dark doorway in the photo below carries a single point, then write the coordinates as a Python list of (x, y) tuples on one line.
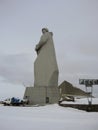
[(47, 99)]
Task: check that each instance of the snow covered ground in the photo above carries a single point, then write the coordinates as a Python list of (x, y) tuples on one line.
[(49, 117), (82, 101)]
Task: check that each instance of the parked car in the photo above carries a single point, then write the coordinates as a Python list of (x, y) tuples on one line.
[(15, 101)]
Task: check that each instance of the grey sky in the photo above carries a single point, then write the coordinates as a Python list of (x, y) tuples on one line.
[(74, 24)]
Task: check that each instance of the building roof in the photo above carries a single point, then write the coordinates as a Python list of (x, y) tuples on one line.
[(69, 89)]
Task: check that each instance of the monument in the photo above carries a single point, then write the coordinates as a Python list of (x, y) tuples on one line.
[(45, 66), (46, 72)]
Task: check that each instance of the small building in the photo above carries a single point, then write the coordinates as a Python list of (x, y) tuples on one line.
[(67, 89)]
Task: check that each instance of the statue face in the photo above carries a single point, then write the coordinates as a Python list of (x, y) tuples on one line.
[(44, 31)]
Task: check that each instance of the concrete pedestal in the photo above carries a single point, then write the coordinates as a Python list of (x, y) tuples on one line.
[(42, 95)]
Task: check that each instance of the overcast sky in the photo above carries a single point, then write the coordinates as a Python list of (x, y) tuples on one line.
[(74, 24)]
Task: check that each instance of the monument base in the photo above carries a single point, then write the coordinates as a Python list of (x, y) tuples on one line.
[(42, 95)]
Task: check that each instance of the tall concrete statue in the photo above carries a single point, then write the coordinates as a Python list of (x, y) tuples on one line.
[(45, 89), (45, 65)]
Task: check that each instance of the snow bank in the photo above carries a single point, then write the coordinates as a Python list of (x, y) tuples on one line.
[(49, 117)]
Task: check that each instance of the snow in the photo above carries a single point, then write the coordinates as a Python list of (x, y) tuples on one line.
[(81, 101), (49, 117)]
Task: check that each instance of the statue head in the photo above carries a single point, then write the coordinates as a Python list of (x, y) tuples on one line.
[(45, 30)]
